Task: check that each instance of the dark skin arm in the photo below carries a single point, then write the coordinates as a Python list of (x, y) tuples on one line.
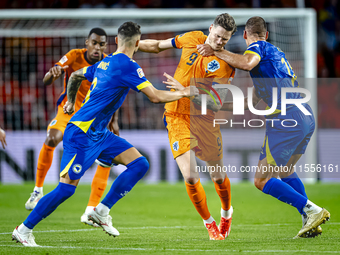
[(53, 74)]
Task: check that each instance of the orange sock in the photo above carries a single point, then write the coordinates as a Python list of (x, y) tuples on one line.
[(44, 164), (198, 198), (98, 185), (224, 192)]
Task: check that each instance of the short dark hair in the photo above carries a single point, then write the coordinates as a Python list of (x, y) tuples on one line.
[(129, 29), (256, 26), (99, 31), (226, 21)]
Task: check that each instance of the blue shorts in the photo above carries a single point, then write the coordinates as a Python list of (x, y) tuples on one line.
[(281, 142), (80, 151)]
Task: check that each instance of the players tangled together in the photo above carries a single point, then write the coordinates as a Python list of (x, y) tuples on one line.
[(96, 85)]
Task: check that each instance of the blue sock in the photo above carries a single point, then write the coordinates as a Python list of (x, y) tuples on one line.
[(285, 193), (48, 203), (295, 182), (126, 180)]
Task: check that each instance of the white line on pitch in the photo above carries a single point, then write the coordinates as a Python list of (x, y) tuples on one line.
[(164, 227), (184, 250)]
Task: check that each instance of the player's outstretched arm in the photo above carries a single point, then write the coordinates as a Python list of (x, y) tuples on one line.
[(54, 73), (72, 89), (155, 46), (244, 62), (161, 96), (172, 83), (228, 106), (3, 138)]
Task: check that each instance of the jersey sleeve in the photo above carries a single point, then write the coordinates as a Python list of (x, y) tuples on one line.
[(135, 78), (67, 59), (180, 40), (255, 48), (89, 71)]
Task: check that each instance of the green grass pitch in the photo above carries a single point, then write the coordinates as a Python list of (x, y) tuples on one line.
[(160, 219)]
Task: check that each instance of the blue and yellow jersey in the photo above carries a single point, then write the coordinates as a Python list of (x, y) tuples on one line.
[(273, 70), (111, 78)]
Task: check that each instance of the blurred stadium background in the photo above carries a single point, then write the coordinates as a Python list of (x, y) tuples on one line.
[(33, 39)]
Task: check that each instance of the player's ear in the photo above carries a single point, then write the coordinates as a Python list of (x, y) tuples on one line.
[(116, 40), (211, 26), (267, 33), (137, 43), (87, 42), (245, 35)]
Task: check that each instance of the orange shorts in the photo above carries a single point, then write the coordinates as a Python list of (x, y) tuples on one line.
[(194, 133), (60, 121)]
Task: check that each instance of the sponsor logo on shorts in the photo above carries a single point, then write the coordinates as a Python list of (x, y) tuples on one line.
[(175, 146), (77, 168), (53, 122)]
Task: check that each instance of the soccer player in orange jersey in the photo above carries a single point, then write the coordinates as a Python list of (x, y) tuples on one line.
[(192, 134), (72, 61)]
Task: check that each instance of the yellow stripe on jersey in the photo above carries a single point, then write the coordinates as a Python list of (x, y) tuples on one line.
[(270, 159), (251, 52), (83, 125), (275, 112), (144, 85), (84, 69), (68, 166)]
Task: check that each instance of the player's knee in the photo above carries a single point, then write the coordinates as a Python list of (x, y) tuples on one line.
[(52, 140), (190, 180), (218, 180), (142, 166), (65, 190), (259, 183)]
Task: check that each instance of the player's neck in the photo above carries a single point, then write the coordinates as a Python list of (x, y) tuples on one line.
[(126, 50), (254, 39)]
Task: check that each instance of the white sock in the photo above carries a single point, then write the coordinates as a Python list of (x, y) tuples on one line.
[(310, 208), (102, 209), (227, 214), (209, 221), (89, 209), (23, 229), (38, 189)]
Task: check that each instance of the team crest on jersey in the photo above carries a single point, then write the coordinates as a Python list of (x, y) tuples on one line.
[(53, 122), (175, 146), (213, 66), (77, 168), (63, 60), (140, 72)]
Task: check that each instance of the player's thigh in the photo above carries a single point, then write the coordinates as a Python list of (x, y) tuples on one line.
[(60, 121), (178, 127), (266, 170), (79, 154), (208, 137), (117, 151), (187, 165)]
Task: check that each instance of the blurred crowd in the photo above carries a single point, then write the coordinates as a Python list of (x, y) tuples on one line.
[(328, 59)]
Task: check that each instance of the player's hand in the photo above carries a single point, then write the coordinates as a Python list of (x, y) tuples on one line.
[(205, 50), (172, 83), (57, 71), (191, 91), (3, 138), (69, 108)]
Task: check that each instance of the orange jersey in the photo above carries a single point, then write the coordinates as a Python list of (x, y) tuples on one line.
[(75, 60), (193, 65)]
